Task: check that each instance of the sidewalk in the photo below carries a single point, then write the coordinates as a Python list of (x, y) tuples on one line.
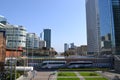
[(109, 75), (28, 77), (79, 76)]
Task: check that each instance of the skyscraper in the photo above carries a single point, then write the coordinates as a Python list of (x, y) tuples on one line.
[(66, 47), (92, 27), (103, 19), (47, 37), (116, 23)]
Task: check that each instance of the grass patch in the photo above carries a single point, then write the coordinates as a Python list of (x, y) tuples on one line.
[(89, 74), (68, 79), (66, 74), (96, 79)]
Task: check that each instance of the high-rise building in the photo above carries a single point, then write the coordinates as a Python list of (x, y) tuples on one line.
[(116, 23), (103, 24), (32, 40), (47, 37), (92, 27), (15, 36), (66, 47)]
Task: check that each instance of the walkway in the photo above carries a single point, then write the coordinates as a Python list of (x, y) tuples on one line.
[(109, 75), (79, 76)]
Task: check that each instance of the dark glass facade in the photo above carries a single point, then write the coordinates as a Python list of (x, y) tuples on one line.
[(116, 18), (47, 37)]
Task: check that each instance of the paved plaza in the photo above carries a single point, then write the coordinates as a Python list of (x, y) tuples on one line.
[(52, 75)]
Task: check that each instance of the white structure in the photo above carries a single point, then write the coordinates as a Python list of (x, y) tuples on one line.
[(32, 40), (3, 20), (42, 43), (2, 25), (15, 36)]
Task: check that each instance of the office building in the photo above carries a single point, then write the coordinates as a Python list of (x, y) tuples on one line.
[(32, 40), (47, 37), (42, 44), (92, 27), (15, 36), (66, 47), (72, 46), (3, 20), (116, 26), (103, 24), (81, 50)]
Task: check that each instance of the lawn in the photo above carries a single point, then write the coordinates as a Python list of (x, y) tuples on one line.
[(96, 79), (68, 79), (66, 74), (89, 74)]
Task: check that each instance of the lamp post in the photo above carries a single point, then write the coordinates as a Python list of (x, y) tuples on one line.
[(11, 60)]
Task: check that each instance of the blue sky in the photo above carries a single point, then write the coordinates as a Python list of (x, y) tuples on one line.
[(66, 18)]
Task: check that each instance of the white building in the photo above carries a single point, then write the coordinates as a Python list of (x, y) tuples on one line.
[(15, 36), (3, 20), (32, 40), (42, 43)]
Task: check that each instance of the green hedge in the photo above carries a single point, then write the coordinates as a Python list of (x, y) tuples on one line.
[(66, 74), (84, 69), (96, 79), (68, 79), (89, 74)]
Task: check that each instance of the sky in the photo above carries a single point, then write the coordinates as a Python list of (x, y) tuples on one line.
[(65, 18)]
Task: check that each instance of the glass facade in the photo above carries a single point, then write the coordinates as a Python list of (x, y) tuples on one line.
[(116, 18), (103, 19), (105, 23), (109, 18), (92, 27), (47, 37)]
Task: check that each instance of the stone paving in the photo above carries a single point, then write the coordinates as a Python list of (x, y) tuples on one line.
[(109, 75), (79, 76), (51, 75)]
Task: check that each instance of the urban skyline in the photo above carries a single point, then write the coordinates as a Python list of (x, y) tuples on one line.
[(59, 16), (59, 51)]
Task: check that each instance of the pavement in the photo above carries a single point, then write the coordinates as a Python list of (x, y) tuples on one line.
[(109, 75), (45, 76), (52, 75), (79, 76)]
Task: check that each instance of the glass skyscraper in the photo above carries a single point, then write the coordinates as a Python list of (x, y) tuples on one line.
[(47, 37), (106, 24), (92, 27), (116, 29)]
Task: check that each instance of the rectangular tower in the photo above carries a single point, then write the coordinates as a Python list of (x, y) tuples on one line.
[(47, 37), (92, 27)]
